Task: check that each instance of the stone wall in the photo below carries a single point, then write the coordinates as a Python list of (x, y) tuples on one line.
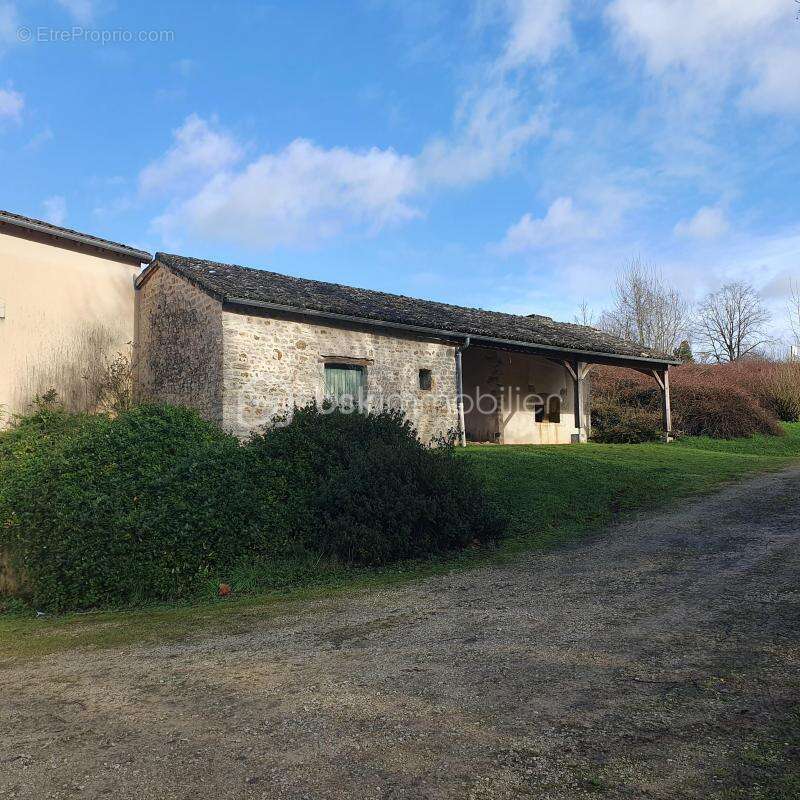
[(272, 364), (178, 354)]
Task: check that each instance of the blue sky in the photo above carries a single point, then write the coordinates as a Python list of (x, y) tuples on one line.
[(496, 153)]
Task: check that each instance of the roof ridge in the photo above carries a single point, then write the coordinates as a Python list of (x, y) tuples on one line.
[(350, 287), (260, 288)]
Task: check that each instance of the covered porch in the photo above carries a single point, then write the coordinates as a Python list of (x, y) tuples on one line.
[(527, 395)]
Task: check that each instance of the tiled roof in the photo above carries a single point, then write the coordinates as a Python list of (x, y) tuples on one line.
[(40, 226), (248, 286)]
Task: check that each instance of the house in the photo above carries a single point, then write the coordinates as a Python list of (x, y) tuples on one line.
[(66, 298), (242, 345)]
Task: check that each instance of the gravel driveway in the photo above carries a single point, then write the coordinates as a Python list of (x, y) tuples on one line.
[(640, 664)]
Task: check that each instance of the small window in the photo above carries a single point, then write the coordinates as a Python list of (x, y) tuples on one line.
[(538, 412), (425, 380), (344, 382), (554, 410)]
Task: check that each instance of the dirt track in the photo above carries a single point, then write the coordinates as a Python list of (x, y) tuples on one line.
[(638, 665)]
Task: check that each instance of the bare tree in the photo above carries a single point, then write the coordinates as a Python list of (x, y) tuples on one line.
[(585, 315), (646, 309), (794, 309), (731, 323)]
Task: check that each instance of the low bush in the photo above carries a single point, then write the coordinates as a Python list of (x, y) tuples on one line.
[(155, 504), (709, 411), (781, 394), (615, 423), (371, 493), (98, 511), (725, 401)]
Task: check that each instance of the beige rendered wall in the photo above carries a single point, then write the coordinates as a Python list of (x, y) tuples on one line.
[(178, 355), (271, 363), (60, 302), (499, 387)]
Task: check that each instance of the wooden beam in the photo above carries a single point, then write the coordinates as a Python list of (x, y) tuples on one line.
[(659, 380), (667, 407), (578, 373)]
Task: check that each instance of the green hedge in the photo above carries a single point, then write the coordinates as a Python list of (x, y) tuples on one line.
[(372, 493), (151, 505)]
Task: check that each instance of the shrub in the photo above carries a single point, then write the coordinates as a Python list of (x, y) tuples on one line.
[(615, 423), (372, 492), (721, 400), (781, 393), (709, 411), (155, 503), (97, 511)]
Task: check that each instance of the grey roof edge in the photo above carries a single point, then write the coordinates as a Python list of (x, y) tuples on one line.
[(241, 301), (39, 226), (435, 332)]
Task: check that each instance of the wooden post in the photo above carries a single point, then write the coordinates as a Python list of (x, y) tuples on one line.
[(662, 378), (579, 399), (578, 371)]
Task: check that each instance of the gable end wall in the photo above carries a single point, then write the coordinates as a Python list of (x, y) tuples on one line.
[(178, 344)]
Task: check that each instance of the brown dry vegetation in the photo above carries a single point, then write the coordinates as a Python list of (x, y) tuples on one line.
[(721, 400)]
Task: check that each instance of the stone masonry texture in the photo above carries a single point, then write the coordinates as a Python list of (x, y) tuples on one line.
[(272, 364), (242, 370), (178, 356)]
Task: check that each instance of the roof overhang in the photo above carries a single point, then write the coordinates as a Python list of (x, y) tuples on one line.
[(552, 351), (457, 337), (73, 236)]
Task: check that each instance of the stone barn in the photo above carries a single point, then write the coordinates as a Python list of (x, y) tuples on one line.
[(245, 345)]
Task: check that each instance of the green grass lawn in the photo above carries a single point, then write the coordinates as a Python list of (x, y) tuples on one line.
[(551, 495), (557, 492)]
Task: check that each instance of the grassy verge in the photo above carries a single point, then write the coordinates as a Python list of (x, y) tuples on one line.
[(555, 492), (551, 494)]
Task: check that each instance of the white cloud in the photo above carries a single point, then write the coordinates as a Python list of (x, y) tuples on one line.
[(562, 221), (299, 196), (566, 221), (83, 11), (11, 104), (777, 86), (200, 151), (55, 210), (492, 126), (9, 23), (708, 223), (538, 29), (752, 46), (305, 193), (40, 139)]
